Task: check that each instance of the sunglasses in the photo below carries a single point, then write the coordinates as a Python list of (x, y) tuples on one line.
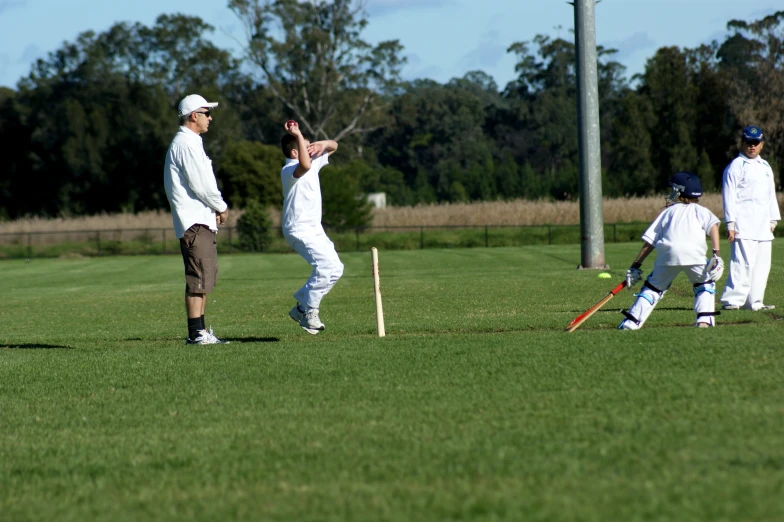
[(206, 113), (753, 143)]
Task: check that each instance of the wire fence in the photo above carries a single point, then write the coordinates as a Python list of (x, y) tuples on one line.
[(162, 241)]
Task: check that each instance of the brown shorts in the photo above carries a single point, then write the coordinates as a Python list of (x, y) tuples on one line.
[(199, 249)]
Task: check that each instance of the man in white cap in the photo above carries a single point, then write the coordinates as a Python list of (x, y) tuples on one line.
[(197, 210), (751, 212)]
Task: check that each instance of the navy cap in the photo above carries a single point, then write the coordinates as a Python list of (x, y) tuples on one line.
[(752, 133)]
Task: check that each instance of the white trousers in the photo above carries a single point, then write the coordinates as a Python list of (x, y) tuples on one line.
[(661, 278), (749, 270), (317, 249)]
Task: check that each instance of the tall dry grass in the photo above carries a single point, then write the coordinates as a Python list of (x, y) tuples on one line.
[(518, 212), (522, 212), (142, 220)]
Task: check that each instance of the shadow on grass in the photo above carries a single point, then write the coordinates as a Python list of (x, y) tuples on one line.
[(614, 310), (252, 339), (35, 346), (232, 339)]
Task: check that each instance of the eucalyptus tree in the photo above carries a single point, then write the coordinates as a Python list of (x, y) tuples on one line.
[(540, 127), (312, 57), (98, 114), (754, 56)]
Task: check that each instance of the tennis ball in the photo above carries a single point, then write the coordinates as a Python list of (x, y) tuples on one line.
[(604, 275)]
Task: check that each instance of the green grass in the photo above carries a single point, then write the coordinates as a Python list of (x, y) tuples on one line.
[(476, 406)]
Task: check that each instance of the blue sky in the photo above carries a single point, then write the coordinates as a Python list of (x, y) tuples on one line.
[(443, 39)]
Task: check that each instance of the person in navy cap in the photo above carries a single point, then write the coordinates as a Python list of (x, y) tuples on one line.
[(751, 212)]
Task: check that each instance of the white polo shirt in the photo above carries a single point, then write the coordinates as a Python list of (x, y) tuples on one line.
[(302, 196), (678, 234), (190, 183), (749, 195)]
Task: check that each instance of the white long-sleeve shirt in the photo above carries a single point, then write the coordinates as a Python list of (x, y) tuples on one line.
[(749, 196), (190, 183)]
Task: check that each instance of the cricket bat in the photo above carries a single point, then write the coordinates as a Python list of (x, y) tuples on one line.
[(580, 319)]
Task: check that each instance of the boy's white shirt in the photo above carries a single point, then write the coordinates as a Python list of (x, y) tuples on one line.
[(190, 183), (678, 234), (302, 196), (749, 197)]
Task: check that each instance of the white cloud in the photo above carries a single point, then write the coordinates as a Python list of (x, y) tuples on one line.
[(382, 7), (6, 5), (631, 45), (433, 72), (486, 55), (31, 53)]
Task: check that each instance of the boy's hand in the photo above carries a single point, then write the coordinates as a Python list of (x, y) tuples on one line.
[(633, 276), (316, 149), (292, 127), (715, 268)]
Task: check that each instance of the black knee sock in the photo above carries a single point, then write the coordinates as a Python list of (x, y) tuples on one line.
[(194, 325), (203, 326)]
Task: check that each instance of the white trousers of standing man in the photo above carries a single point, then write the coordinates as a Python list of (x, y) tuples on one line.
[(749, 270), (317, 249)]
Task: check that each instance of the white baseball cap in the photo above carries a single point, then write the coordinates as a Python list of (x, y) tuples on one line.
[(192, 102)]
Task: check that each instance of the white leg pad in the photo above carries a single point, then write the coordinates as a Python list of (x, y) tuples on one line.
[(643, 306), (705, 303)]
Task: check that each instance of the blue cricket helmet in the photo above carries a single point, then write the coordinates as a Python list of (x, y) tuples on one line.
[(686, 184)]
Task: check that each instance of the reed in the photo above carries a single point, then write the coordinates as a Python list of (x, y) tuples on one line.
[(517, 212), (525, 212)]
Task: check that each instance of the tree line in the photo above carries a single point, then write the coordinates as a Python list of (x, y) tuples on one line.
[(87, 130)]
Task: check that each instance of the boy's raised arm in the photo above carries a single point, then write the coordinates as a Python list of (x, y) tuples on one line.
[(292, 127), (302, 151), (317, 148)]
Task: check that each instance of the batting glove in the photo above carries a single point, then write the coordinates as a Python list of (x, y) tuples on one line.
[(715, 268), (633, 276)]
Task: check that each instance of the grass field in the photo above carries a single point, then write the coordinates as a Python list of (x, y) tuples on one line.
[(476, 406)]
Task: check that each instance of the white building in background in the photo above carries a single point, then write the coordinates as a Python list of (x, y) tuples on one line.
[(379, 199)]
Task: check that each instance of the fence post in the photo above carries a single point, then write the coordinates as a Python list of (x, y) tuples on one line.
[(615, 230), (29, 246), (98, 240), (231, 249), (487, 240), (549, 235), (163, 241), (421, 238)]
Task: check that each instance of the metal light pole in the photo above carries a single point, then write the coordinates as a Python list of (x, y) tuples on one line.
[(591, 217)]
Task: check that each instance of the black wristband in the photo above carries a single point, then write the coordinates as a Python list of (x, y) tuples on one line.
[(636, 265)]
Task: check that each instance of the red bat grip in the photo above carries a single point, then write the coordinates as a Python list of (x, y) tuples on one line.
[(618, 288)]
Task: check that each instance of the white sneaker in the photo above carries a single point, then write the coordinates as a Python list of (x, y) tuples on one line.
[(310, 320), (763, 307), (205, 337), (299, 316), (730, 307), (217, 341)]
